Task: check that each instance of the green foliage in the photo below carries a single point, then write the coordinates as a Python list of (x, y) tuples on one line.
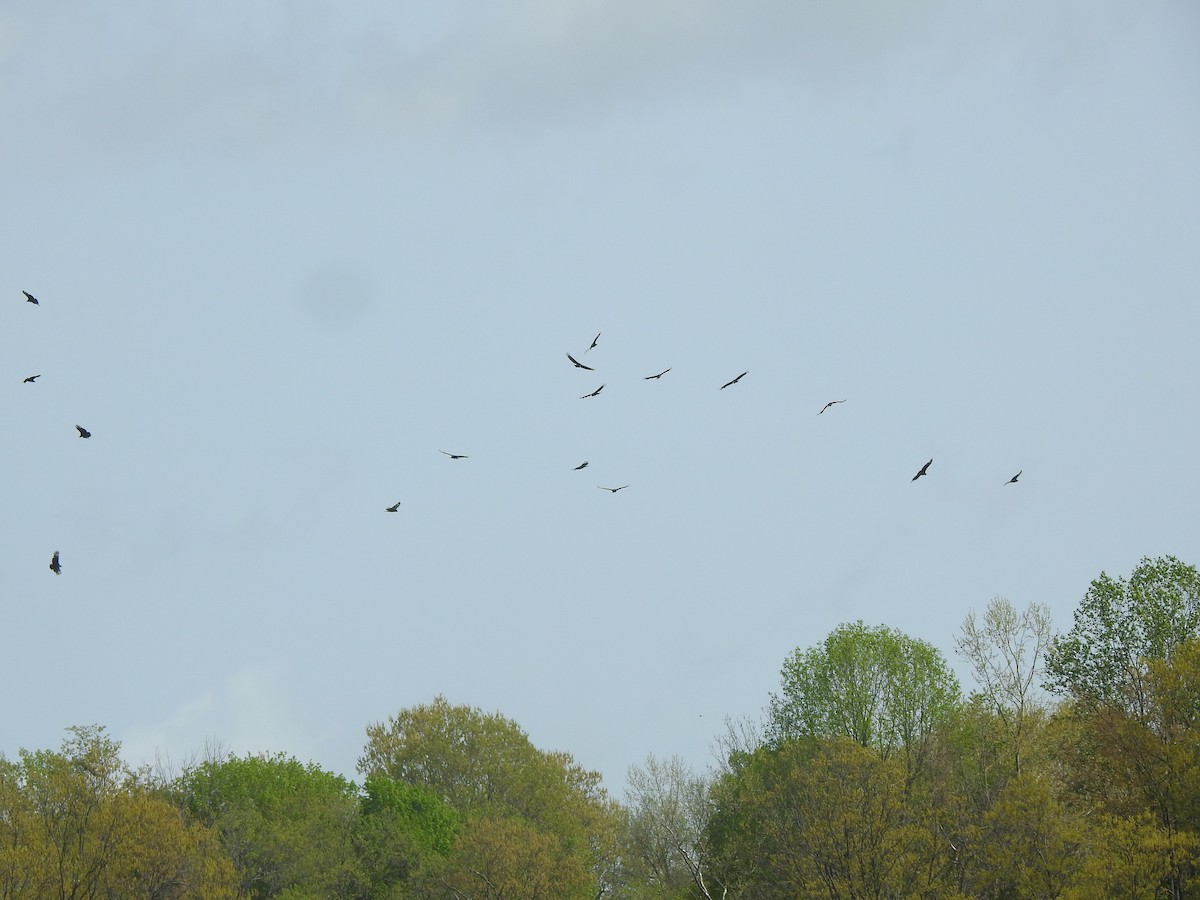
[(78, 823), (1119, 626), (287, 826), (495, 859), (404, 832), (877, 781), (1128, 857), (485, 768), (826, 818), (1030, 844), (876, 686)]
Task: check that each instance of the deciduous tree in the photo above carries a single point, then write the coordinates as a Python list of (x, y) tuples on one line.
[(876, 686), (1006, 651), (1119, 626), (485, 767)]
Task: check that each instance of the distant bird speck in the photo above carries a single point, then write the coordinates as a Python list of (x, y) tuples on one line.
[(593, 393), (394, 508), (659, 375), (31, 379), (83, 432), (829, 404), (578, 364), (29, 298), (1013, 480), (582, 465), (614, 490), (924, 470), (735, 381), (454, 455), (54, 566), (596, 338)]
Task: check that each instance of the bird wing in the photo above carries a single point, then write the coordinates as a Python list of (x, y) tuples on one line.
[(579, 364)]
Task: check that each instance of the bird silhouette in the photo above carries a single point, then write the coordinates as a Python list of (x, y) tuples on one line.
[(578, 364), (614, 490), (454, 455), (1013, 480), (31, 379), (659, 375), (829, 404), (29, 298), (735, 381), (593, 393), (394, 508), (596, 338), (582, 465), (924, 470), (54, 566), (83, 432)]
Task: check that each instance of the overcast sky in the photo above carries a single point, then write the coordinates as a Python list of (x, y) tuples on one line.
[(287, 252)]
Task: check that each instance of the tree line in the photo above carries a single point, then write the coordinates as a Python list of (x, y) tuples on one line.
[(1072, 770)]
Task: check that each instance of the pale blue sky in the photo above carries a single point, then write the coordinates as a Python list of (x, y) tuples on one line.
[(287, 252)]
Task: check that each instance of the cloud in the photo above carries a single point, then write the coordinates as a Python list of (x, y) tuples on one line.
[(248, 713), (274, 72)]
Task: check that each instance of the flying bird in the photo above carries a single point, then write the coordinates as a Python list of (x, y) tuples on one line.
[(582, 465), (829, 404), (578, 364), (54, 566), (614, 490), (29, 298), (659, 375), (394, 508), (83, 432), (593, 393), (454, 455), (31, 379), (1013, 480), (735, 381), (924, 470), (596, 338)]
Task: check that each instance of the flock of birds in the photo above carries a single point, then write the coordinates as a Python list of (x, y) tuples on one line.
[(924, 470), (55, 565)]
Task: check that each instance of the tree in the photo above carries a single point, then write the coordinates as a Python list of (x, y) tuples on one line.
[(1006, 651), (1128, 759), (403, 834), (287, 825), (496, 859), (1030, 845), (1119, 626), (484, 767), (876, 686), (666, 814), (79, 823), (1127, 857), (826, 818)]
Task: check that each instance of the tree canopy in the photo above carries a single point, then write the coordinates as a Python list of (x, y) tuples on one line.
[(1120, 625), (874, 685), (872, 776)]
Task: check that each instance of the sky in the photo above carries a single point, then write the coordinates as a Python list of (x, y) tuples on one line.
[(288, 252)]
